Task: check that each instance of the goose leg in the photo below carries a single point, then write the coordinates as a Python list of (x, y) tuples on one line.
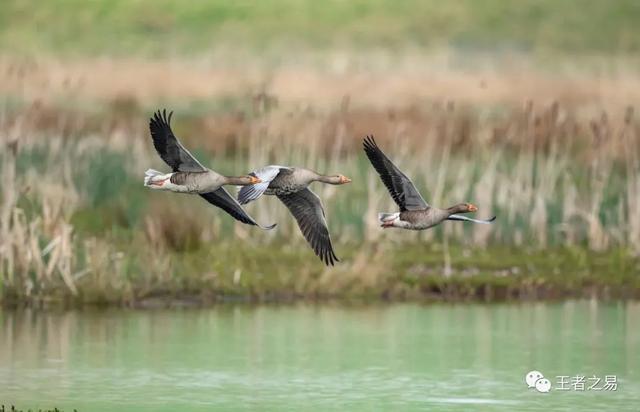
[(158, 182)]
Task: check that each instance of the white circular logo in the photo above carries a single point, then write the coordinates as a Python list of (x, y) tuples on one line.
[(532, 377), (543, 385)]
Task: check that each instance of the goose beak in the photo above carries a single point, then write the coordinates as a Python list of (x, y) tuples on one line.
[(254, 180), (344, 179), (473, 208)]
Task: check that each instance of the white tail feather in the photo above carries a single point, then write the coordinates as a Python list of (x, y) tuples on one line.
[(149, 175), (386, 217)]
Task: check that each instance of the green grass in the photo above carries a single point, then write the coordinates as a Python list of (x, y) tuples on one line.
[(223, 271), (168, 27)]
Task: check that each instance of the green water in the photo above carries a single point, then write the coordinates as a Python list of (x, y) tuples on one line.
[(363, 358)]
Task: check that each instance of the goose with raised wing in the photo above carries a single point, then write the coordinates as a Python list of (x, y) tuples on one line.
[(189, 175), (290, 185), (415, 213)]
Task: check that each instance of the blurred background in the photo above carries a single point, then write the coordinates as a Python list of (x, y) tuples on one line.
[(526, 109), (523, 108)]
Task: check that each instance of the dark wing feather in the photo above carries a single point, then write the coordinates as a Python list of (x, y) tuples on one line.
[(224, 201), (402, 190), (169, 147), (306, 207)]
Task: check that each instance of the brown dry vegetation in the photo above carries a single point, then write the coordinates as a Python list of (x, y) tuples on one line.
[(557, 158), (322, 82)]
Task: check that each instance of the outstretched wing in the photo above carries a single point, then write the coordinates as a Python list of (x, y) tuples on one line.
[(468, 219), (169, 147), (306, 207), (266, 174), (224, 201), (402, 190)]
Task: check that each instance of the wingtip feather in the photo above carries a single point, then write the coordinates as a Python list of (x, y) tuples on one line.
[(160, 119), (369, 142)]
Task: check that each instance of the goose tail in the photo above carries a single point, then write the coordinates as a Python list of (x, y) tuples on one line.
[(387, 217), (149, 176)]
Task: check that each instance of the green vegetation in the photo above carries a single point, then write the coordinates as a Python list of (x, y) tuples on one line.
[(77, 225), (222, 271), (169, 27)]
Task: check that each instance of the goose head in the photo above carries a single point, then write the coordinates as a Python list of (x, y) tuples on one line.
[(335, 180), (463, 208)]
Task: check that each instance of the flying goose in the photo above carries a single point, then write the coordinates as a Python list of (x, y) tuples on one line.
[(415, 213), (290, 185), (189, 176)]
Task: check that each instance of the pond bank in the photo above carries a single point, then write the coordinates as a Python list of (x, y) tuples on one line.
[(409, 272)]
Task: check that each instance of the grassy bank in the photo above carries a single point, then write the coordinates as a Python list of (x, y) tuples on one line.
[(412, 272), (172, 28)]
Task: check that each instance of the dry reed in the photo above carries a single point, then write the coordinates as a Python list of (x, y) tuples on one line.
[(555, 174)]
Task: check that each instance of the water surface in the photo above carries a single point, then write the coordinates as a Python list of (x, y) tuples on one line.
[(382, 357)]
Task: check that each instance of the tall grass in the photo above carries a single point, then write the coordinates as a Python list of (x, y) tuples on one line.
[(76, 221)]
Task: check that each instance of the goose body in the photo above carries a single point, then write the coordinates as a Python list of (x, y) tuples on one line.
[(291, 186), (189, 182), (414, 219), (291, 180), (415, 213), (189, 175)]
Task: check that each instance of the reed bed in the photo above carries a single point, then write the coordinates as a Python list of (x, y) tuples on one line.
[(76, 223)]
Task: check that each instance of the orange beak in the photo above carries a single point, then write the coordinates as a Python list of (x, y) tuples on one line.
[(473, 208), (253, 180), (344, 180)]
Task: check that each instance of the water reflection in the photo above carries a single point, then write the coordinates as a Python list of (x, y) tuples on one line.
[(317, 357)]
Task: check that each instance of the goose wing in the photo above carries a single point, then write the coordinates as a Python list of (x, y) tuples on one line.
[(266, 174), (400, 187), (226, 202), (169, 147), (307, 209), (468, 219)]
